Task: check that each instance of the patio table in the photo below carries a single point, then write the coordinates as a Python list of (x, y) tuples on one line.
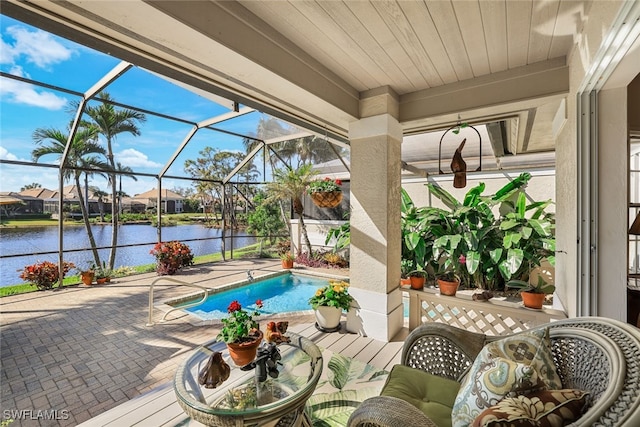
[(278, 400)]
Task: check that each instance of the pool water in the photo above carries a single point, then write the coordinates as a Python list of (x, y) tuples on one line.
[(280, 294)]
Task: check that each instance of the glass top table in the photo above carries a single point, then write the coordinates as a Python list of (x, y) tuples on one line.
[(242, 400)]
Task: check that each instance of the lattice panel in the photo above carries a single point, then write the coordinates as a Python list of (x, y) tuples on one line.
[(481, 317)]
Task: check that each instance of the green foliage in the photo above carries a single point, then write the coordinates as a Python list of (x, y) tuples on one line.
[(542, 287), (342, 235), (469, 240), (324, 185), (45, 274), (265, 219)]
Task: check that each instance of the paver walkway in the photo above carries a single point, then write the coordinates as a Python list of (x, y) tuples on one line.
[(74, 353)]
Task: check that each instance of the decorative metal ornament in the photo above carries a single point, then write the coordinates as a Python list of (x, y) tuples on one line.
[(458, 165)]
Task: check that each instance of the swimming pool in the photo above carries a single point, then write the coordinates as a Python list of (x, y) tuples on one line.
[(284, 293), (280, 294)]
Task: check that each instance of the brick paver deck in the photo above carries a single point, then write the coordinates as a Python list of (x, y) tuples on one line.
[(80, 351)]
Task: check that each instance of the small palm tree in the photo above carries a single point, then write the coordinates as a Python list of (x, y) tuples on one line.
[(291, 184)]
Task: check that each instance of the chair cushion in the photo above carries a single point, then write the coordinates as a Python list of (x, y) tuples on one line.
[(546, 408), (432, 394), (511, 366)]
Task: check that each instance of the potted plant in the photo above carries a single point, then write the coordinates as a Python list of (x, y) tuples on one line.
[(87, 276), (417, 278), (533, 295), (287, 259), (44, 274), (325, 193), (241, 333), (171, 257), (328, 303), (103, 274)]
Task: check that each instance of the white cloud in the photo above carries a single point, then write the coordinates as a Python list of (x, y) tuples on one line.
[(6, 155), (39, 47), (24, 93), (134, 158)]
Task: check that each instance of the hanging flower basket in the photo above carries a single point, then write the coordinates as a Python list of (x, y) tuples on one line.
[(326, 199)]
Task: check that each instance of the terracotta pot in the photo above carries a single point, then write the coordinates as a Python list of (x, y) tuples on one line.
[(244, 353), (87, 277), (102, 280), (405, 282), (326, 199), (287, 263), (532, 300), (417, 282), (328, 317), (448, 288)]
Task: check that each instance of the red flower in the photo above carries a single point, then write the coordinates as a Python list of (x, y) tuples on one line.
[(259, 303), (234, 306), (338, 182)]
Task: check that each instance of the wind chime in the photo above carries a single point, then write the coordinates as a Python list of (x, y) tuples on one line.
[(458, 165)]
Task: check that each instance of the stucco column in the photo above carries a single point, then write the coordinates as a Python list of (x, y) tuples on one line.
[(375, 140)]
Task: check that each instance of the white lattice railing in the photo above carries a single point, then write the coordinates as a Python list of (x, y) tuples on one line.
[(493, 317)]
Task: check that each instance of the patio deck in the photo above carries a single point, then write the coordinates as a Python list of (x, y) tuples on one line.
[(82, 351)]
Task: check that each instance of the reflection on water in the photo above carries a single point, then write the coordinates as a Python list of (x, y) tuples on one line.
[(43, 239)]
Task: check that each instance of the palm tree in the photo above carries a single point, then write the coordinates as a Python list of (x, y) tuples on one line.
[(110, 123), (83, 145), (100, 195), (124, 170), (291, 184)]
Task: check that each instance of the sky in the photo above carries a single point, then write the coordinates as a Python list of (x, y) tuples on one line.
[(37, 55)]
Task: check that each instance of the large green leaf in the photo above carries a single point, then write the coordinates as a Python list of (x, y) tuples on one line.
[(543, 228), (473, 195), (506, 191), (511, 239), (513, 261), (508, 224), (473, 261), (334, 409), (521, 205), (406, 201), (496, 255), (344, 369), (444, 196)]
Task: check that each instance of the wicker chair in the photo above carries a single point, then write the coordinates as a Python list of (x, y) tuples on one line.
[(595, 354)]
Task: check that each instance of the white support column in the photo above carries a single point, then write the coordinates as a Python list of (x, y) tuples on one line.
[(375, 220)]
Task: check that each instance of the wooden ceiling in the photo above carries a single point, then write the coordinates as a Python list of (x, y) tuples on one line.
[(311, 61)]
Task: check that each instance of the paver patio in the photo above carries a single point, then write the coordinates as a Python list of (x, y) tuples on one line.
[(83, 350)]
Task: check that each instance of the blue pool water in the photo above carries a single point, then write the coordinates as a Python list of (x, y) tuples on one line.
[(280, 294)]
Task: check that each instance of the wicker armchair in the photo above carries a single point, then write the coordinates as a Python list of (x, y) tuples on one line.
[(595, 354)]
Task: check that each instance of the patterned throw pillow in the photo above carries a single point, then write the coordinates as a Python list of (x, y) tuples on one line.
[(547, 408), (492, 377)]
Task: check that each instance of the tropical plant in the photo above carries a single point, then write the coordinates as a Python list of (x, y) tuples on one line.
[(110, 122), (335, 294), (291, 184), (265, 220), (80, 154), (171, 257), (541, 287), (240, 326), (44, 274), (287, 256), (341, 234)]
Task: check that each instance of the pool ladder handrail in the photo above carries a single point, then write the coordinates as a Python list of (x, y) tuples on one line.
[(179, 282)]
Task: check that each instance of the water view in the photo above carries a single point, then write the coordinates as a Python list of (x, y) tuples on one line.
[(43, 239)]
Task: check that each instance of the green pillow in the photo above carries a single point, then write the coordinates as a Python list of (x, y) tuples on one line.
[(432, 394)]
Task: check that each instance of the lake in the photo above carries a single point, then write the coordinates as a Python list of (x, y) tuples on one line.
[(42, 239)]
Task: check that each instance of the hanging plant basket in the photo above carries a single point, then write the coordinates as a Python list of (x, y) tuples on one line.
[(326, 199)]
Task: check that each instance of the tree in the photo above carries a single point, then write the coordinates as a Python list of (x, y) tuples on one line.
[(82, 147), (265, 219), (30, 186), (110, 123), (291, 184), (100, 195)]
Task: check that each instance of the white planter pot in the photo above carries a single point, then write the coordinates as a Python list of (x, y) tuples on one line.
[(328, 317)]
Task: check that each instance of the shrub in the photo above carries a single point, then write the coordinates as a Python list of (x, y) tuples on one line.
[(171, 257), (44, 274)]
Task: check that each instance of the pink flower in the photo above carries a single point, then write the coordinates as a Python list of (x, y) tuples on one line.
[(462, 259)]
